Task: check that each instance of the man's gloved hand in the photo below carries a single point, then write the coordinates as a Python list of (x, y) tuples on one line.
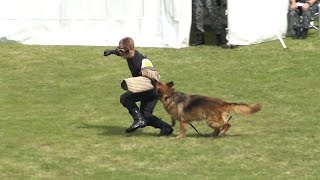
[(107, 52)]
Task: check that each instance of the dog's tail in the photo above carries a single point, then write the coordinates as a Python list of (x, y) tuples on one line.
[(244, 109)]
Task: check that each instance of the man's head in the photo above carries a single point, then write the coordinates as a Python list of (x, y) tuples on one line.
[(126, 48)]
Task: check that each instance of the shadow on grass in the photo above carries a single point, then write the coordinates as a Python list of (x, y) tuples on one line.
[(108, 130), (208, 136), (116, 130)]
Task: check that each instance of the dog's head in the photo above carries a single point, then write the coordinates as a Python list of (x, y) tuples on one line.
[(164, 90)]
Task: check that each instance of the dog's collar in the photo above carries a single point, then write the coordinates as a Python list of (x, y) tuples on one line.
[(170, 102), (168, 97)]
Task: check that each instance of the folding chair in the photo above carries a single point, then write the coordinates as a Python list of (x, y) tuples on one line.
[(315, 20)]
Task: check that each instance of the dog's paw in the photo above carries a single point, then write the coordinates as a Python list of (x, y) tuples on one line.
[(173, 122), (180, 136), (215, 133)]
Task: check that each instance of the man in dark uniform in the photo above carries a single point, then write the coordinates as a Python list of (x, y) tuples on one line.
[(216, 21), (142, 116), (300, 14)]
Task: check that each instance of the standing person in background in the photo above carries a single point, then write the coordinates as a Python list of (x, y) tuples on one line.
[(198, 8), (300, 14), (142, 116)]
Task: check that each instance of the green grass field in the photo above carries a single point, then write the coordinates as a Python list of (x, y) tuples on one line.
[(61, 117)]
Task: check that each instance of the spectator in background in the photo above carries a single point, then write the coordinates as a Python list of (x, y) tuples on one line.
[(216, 22), (300, 14)]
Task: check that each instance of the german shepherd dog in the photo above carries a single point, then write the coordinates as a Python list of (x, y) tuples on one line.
[(186, 108)]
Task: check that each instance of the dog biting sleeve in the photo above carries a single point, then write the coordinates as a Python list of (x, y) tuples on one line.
[(148, 71), (136, 84)]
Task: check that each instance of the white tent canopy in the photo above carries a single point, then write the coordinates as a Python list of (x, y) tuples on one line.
[(152, 23)]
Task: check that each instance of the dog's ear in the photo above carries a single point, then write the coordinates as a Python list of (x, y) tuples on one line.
[(170, 84)]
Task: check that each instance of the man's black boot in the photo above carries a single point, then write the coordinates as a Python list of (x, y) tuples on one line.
[(138, 121), (297, 33), (219, 40), (199, 39), (228, 46), (165, 129), (304, 33)]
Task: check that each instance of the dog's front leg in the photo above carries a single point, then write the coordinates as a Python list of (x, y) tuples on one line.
[(183, 129), (173, 121)]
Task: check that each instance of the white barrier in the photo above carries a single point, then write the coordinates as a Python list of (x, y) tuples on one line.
[(154, 23), (256, 21)]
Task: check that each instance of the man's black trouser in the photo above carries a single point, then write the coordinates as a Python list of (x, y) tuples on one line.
[(148, 101)]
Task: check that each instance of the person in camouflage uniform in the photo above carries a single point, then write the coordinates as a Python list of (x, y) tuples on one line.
[(198, 17), (300, 17)]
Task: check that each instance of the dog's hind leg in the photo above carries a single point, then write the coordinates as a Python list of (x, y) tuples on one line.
[(226, 124), (215, 123), (183, 129), (216, 132)]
